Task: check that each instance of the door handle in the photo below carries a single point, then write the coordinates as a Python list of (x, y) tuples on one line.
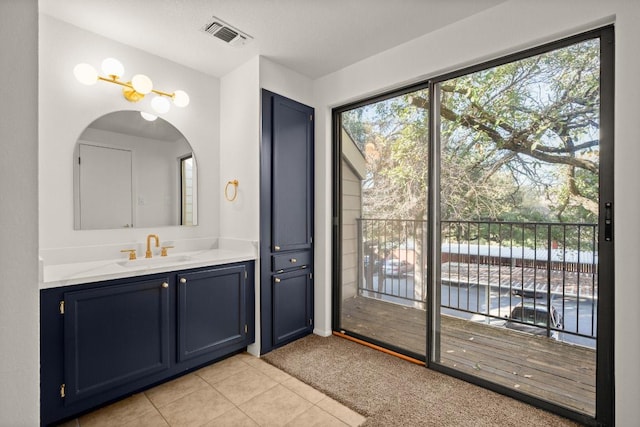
[(183, 280), (277, 280), (608, 221)]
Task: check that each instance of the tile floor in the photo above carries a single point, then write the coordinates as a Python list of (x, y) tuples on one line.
[(240, 391)]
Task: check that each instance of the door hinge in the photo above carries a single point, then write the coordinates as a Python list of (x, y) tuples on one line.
[(62, 387), (311, 240), (246, 275), (61, 307), (311, 276), (310, 321), (246, 329), (78, 159), (310, 117)]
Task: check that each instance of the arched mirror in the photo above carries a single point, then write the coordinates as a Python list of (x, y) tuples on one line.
[(131, 172)]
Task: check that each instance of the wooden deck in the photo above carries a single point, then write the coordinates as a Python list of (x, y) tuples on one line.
[(545, 368)]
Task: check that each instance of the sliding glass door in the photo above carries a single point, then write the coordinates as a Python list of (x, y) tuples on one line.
[(383, 210), (474, 224), (519, 204)]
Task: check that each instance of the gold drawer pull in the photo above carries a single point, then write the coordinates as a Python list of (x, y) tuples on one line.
[(277, 280), (276, 248), (293, 260), (165, 285), (183, 280)]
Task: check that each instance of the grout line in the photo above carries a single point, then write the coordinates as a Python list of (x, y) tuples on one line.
[(333, 415), (249, 366), (156, 408)]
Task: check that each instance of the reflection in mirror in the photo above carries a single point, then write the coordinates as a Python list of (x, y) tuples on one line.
[(130, 172)]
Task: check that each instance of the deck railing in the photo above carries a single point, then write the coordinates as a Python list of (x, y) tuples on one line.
[(487, 270)]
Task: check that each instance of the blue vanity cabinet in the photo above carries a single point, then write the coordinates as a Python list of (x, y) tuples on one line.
[(212, 311), (103, 341), (115, 335)]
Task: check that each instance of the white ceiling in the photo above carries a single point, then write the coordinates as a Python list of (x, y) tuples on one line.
[(312, 37)]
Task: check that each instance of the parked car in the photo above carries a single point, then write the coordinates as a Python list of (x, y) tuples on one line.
[(528, 293), (535, 318), (395, 267)]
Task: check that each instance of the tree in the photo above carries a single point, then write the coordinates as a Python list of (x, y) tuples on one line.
[(517, 142)]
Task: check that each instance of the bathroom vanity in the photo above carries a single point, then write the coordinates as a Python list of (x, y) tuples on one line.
[(145, 323)]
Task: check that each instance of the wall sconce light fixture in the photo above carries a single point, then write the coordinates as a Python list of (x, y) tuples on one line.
[(134, 90)]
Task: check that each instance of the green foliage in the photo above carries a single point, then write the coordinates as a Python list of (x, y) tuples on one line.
[(518, 142)]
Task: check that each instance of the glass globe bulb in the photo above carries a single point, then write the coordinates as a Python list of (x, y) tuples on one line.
[(148, 116), (142, 84), (160, 104), (180, 98), (112, 67), (85, 74)]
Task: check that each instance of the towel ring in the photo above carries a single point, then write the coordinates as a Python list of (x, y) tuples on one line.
[(235, 190)]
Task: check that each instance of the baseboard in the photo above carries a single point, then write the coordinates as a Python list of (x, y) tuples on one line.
[(322, 332)]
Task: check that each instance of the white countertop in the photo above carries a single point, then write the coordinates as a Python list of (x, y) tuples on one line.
[(73, 273)]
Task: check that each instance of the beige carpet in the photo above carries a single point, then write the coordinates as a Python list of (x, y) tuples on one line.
[(392, 392)]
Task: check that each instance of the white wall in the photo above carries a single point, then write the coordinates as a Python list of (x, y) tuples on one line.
[(240, 151), (19, 305), (67, 107), (507, 28), (283, 81)]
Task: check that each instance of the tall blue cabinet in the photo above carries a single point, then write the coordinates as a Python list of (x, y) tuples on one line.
[(286, 220)]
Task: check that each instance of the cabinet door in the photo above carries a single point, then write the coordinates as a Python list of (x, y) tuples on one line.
[(292, 175), (115, 335), (212, 312), (292, 310)]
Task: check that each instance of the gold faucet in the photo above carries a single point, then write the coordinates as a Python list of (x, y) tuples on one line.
[(148, 254)]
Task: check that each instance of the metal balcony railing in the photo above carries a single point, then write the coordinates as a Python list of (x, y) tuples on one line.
[(537, 277)]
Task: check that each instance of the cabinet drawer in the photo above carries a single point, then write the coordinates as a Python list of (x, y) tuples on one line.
[(288, 261)]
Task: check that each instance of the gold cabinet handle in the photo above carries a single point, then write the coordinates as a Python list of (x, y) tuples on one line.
[(163, 250), (277, 280), (165, 285), (276, 248), (183, 280), (293, 260), (132, 253)]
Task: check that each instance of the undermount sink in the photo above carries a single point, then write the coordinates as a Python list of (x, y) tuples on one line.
[(144, 262)]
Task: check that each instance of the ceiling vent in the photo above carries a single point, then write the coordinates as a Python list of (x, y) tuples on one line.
[(225, 32)]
